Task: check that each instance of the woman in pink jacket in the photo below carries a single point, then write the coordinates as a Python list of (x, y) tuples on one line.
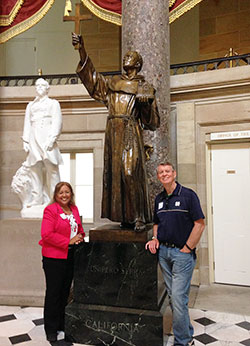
[(61, 231)]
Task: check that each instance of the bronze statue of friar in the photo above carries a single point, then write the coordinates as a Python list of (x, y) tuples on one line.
[(132, 107)]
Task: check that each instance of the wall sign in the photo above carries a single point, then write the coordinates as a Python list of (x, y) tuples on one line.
[(229, 135)]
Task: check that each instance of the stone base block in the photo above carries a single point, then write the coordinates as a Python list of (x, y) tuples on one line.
[(103, 325), (22, 277)]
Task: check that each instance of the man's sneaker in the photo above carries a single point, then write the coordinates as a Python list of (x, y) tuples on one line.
[(191, 343)]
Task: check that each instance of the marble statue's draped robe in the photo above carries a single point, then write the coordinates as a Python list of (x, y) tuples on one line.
[(42, 123), (125, 190)]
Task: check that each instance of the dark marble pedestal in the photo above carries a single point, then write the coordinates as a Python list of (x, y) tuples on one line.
[(116, 295)]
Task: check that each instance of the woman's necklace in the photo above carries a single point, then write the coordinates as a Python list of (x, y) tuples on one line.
[(68, 211)]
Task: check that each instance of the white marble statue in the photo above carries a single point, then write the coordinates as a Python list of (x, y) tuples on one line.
[(42, 127), (21, 185)]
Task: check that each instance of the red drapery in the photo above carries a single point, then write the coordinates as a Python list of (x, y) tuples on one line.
[(9, 10), (178, 7), (175, 3), (111, 10), (110, 5), (17, 16)]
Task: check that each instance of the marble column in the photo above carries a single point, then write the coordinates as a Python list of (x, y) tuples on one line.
[(146, 29)]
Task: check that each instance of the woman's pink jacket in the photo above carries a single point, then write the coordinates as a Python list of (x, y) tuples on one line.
[(55, 231)]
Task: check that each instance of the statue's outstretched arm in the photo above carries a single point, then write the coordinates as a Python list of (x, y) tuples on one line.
[(93, 81), (78, 40)]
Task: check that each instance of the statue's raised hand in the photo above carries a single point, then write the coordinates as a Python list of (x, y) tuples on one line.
[(78, 43), (76, 39)]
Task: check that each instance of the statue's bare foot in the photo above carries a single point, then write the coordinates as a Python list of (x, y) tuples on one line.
[(140, 226)]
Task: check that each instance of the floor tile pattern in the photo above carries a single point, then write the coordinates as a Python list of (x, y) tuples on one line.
[(216, 328), (24, 326)]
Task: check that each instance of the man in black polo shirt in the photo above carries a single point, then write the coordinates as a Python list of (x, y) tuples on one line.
[(178, 226)]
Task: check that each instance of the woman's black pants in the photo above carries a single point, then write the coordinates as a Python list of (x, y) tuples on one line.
[(58, 276)]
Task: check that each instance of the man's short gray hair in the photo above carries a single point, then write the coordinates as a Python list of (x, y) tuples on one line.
[(167, 163)]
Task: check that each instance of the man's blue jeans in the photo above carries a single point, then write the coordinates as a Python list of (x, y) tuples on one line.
[(177, 269)]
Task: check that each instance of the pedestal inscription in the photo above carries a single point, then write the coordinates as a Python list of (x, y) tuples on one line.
[(99, 325), (116, 274)]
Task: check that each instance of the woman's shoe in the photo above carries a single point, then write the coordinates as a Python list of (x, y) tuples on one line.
[(52, 337)]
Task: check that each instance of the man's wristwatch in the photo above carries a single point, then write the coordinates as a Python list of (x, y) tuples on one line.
[(154, 237)]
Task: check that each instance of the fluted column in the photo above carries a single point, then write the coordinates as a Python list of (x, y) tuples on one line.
[(146, 29)]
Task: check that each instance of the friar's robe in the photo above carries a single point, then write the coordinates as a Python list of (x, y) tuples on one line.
[(125, 195)]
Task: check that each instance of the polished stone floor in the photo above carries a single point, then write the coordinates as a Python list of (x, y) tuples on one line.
[(220, 315)]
